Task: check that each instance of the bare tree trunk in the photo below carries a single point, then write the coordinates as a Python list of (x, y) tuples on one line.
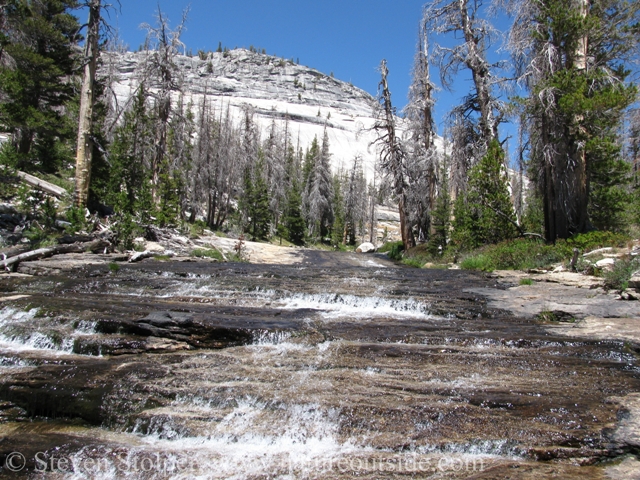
[(393, 159), (581, 177), (85, 144)]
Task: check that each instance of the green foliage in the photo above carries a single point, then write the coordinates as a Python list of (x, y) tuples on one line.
[(413, 262), (9, 157), (49, 213), (518, 254), (207, 253), (586, 242), (39, 237), (524, 254), (254, 202), (294, 223), (197, 228), (485, 214), (37, 205), (609, 196), (395, 253), (441, 218), (39, 37), (337, 229), (168, 211), (114, 267), (478, 262), (9, 184), (623, 269), (128, 189), (125, 230), (575, 111), (526, 281), (388, 246), (533, 216), (547, 316), (76, 216)]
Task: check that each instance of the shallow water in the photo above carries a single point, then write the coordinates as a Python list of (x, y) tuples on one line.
[(193, 370)]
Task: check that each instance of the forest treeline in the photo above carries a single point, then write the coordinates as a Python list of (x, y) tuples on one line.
[(160, 161)]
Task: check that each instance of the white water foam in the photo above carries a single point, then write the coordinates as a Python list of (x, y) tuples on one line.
[(18, 333), (253, 438), (353, 306)]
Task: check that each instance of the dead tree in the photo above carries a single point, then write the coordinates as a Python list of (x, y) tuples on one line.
[(85, 121), (160, 67), (481, 111), (392, 155), (422, 165)]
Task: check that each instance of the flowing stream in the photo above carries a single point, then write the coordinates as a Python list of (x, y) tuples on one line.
[(328, 369)]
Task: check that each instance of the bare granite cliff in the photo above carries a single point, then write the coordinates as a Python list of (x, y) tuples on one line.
[(278, 91)]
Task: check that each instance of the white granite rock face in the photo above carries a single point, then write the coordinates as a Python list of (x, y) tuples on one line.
[(278, 90)]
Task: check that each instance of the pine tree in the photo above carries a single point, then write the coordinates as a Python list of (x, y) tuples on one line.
[(255, 202), (441, 216), (572, 55), (422, 155), (130, 155), (355, 203), (36, 63), (338, 226), (320, 199), (294, 221), (474, 123), (160, 65), (485, 214)]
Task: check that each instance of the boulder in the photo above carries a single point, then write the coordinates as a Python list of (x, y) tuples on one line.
[(8, 209), (366, 247), (605, 263), (154, 247), (634, 281)]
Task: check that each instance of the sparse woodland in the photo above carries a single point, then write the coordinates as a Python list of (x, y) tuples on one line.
[(154, 161)]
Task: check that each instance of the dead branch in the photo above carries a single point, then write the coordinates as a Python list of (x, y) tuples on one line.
[(93, 246), (43, 185)]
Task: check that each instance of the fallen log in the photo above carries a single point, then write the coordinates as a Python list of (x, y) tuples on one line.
[(66, 239), (136, 257), (93, 246), (43, 185), (13, 251)]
